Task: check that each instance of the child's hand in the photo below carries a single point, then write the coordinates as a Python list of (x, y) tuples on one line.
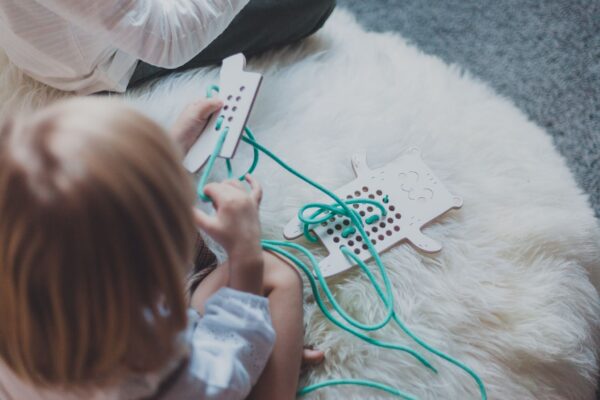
[(192, 121), (236, 227)]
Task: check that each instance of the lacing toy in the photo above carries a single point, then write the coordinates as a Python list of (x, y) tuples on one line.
[(356, 222)]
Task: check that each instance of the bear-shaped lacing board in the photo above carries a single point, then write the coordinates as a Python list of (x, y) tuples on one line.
[(411, 195)]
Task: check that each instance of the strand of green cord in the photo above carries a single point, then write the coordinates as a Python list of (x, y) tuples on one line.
[(358, 224), (388, 301), (324, 212), (276, 247)]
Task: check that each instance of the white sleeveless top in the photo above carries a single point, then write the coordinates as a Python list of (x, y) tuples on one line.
[(88, 46)]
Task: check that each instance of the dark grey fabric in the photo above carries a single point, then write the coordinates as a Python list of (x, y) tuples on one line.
[(543, 55), (260, 26)]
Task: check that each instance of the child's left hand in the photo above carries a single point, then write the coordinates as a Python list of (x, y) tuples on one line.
[(192, 121)]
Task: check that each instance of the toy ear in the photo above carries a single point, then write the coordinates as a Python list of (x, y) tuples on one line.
[(359, 163), (457, 202), (233, 64)]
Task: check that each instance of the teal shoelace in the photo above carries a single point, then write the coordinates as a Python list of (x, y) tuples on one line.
[(313, 214)]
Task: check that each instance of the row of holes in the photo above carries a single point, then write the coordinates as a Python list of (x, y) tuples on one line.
[(357, 241), (365, 189), (381, 224), (362, 213), (358, 244), (359, 238), (234, 108)]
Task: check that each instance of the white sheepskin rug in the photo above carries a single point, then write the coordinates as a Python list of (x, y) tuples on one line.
[(513, 294)]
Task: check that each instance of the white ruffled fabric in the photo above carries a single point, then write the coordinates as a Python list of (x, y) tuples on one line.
[(89, 45), (231, 345)]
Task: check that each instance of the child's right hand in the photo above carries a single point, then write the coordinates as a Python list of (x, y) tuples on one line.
[(236, 227)]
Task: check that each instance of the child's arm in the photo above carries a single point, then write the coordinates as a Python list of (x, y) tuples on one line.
[(236, 227), (233, 340), (165, 33)]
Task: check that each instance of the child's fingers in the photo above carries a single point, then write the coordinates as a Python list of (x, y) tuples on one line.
[(220, 193), (235, 183), (204, 221), (203, 109), (255, 189), (215, 192)]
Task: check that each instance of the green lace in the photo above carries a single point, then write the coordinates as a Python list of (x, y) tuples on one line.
[(323, 212)]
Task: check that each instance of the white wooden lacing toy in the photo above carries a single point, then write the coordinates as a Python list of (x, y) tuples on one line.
[(412, 195), (389, 204), (237, 90)]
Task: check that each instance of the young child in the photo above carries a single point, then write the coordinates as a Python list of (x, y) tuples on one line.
[(97, 230)]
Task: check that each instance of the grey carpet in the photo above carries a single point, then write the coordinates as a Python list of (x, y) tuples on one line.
[(542, 54)]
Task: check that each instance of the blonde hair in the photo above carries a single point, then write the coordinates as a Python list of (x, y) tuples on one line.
[(95, 232)]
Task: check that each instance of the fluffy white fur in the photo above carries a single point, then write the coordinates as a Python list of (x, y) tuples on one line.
[(511, 294)]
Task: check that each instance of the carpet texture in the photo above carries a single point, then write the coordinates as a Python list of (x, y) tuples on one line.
[(543, 55), (511, 293)]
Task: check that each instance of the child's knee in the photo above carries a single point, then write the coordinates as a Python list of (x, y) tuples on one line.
[(279, 274)]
